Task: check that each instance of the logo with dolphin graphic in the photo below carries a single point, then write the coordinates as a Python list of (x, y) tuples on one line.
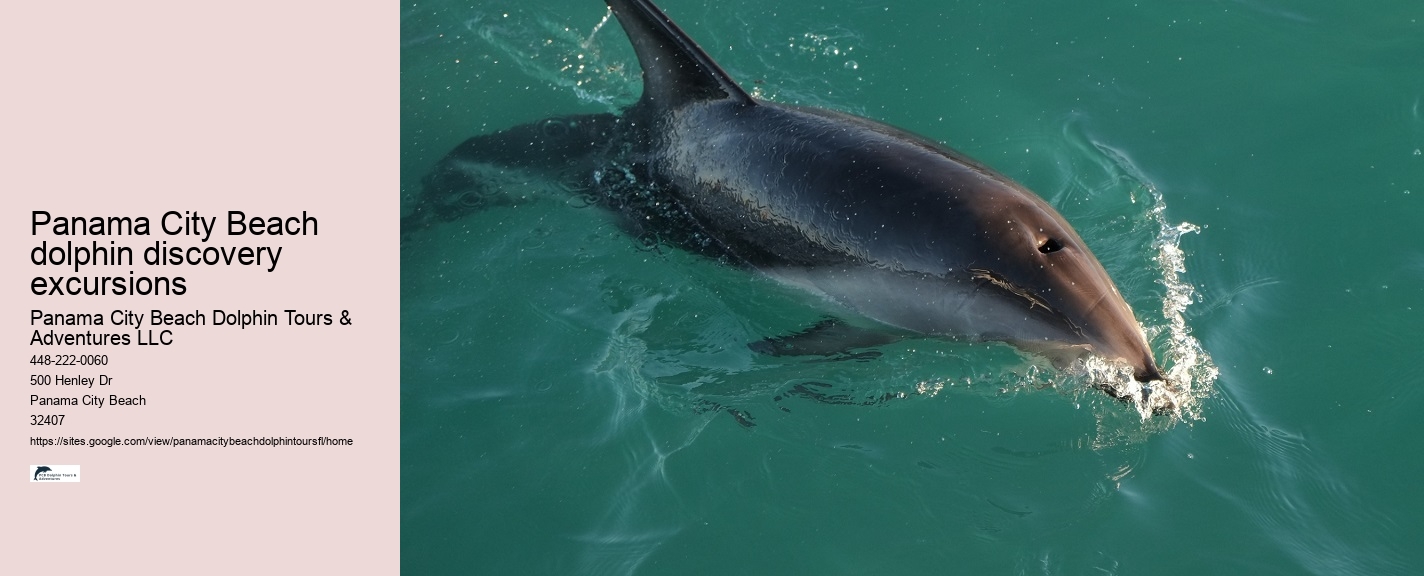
[(54, 473)]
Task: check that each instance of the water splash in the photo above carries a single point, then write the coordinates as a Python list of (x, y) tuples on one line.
[(1189, 369), (562, 55), (825, 45), (1190, 372), (828, 50), (1113, 197)]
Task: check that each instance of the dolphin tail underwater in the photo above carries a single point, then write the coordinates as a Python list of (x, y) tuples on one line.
[(891, 229)]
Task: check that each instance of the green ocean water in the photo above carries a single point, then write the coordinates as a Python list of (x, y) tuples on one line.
[(1250, 173)]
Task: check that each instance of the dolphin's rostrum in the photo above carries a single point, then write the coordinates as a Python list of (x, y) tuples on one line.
[(898, 233)]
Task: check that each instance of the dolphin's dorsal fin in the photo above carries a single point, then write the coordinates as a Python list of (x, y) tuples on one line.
[(675, 70)]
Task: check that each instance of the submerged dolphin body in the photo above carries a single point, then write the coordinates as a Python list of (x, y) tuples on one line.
[(887, 225)]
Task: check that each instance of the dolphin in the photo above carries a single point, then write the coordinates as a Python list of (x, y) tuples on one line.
[(900, 235)]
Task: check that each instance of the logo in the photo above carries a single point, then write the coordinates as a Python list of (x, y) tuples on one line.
[(54, 473)]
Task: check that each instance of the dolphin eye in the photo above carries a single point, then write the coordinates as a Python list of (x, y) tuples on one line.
[(1050, 246), (554, 128), (470, 199)]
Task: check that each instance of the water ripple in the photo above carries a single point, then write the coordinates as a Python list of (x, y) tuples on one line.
[(1300, 499)]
